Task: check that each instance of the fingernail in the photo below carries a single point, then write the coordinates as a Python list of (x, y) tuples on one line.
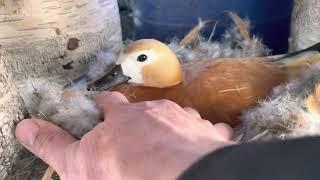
[(27, 132)]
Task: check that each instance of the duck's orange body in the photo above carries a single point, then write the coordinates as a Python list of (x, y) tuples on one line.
[(219, 89)]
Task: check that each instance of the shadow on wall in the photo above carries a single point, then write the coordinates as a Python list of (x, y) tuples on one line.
[(164, 19)]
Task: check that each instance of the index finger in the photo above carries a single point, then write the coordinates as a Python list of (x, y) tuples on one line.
[(106, 101)]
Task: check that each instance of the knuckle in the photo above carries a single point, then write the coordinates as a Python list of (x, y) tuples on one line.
[(159, 104), (150, 107), (189, 109), (167, 104), (148, 104), (116, 94), (206, 122), (44, 143), (154, 108), (193, 113)]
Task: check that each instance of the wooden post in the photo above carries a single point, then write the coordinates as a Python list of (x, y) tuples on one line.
[(305, 24), (47, 38)]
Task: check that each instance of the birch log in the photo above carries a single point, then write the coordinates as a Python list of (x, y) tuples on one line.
[(40, 38), (305, 28)]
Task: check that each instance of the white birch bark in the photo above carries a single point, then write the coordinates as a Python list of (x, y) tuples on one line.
[(305, 24), (39, 37)]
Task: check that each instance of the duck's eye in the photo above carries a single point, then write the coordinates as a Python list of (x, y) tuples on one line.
[(142, 58), (114, 74)]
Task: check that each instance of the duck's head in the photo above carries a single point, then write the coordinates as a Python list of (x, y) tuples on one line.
[(146, 62)]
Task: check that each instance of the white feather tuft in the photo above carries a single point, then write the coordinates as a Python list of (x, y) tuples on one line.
[(69, 108), (285, 115), (103, 61)]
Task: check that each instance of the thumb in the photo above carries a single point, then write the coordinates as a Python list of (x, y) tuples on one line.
[(45, 140)]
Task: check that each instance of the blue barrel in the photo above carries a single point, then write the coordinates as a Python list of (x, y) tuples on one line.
[(164, 19)]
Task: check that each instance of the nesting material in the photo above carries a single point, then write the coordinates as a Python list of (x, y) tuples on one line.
[(69, 108), (236, 42), (99, 67), (73, 108), (292, 111), (192, 36)]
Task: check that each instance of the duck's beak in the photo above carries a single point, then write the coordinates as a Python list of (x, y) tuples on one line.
[(114, 77)]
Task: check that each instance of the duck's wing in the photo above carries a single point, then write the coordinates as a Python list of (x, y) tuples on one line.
[(298, 59), (310, 50), (227, 87)]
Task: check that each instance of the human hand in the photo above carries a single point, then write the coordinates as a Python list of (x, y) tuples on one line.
[(147, 140)]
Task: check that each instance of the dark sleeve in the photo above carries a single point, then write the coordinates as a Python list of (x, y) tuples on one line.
[(281, 160)]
